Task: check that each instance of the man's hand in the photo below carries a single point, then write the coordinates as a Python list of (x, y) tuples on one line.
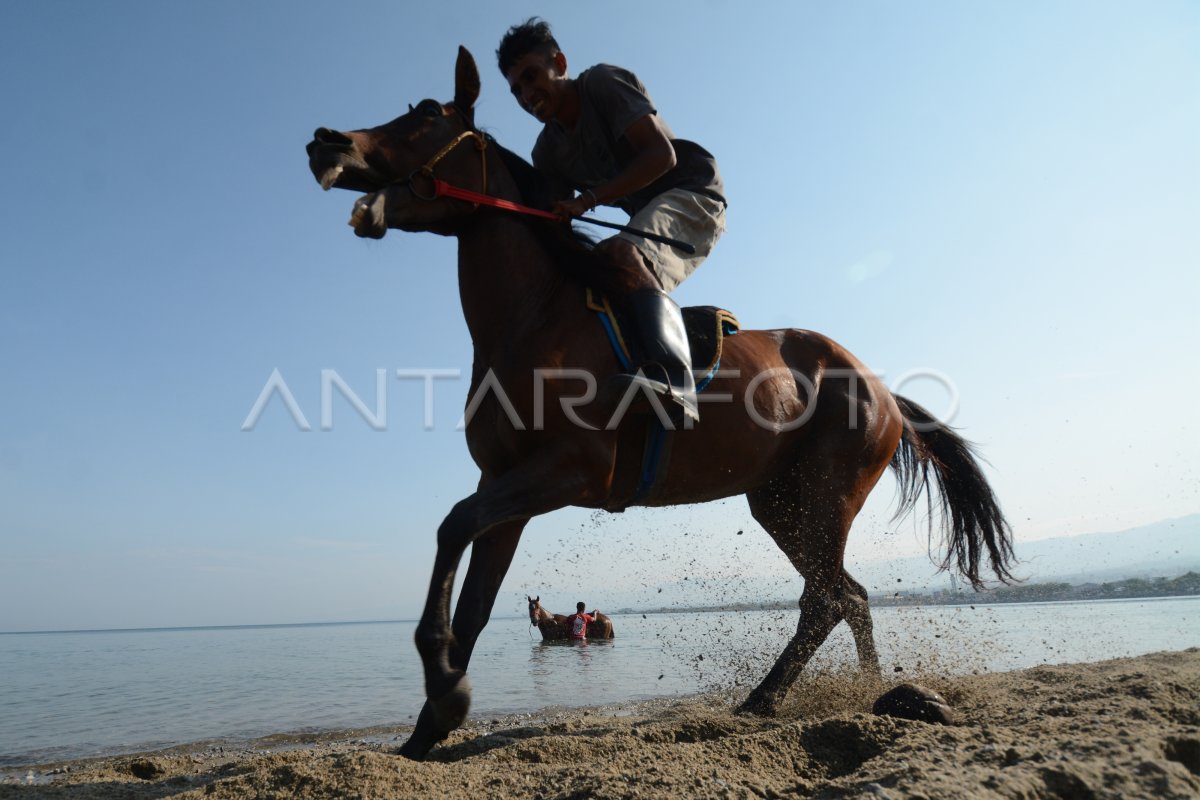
[(575, 207)]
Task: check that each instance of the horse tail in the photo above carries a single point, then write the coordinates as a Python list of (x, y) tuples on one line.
[(971, 516)]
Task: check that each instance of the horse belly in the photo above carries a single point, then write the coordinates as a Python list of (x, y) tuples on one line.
[(697, 471), (793, 398)]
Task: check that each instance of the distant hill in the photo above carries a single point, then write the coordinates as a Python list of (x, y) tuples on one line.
[(1168, 548), (1187, 585)]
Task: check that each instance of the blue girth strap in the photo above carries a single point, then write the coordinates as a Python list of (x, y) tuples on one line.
[(698, 321)]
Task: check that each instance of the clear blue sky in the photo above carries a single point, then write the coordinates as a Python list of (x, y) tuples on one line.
[(1008, 193)]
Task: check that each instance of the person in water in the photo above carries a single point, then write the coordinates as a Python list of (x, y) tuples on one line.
[(578, 622)]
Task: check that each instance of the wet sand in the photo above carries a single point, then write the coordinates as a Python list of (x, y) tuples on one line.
[(1123, 728)]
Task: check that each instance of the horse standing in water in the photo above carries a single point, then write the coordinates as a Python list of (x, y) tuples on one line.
[(808, 434), (556, 628)]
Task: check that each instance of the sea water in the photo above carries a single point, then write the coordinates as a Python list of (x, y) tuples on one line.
[(77, 694)]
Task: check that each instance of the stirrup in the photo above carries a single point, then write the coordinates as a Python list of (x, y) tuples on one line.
[(672, 401), (660, 386)]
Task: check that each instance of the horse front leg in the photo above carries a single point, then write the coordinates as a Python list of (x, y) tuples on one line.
[(491, 556), (536, 487)]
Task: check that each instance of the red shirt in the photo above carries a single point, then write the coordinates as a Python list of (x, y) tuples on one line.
[(578, 623)]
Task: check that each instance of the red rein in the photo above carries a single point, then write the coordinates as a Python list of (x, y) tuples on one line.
[(443, 189)]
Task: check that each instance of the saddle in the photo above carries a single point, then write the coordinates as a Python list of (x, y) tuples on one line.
[(707, 327)]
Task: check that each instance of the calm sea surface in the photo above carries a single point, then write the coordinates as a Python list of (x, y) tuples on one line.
[(67, 695)]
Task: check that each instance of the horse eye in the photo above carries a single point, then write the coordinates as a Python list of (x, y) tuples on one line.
[(430, 108)]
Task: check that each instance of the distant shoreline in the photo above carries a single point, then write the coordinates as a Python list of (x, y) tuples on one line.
[(1187, 585), (1129, 589)]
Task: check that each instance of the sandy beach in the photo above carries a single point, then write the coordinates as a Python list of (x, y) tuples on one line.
[(1123, 728)]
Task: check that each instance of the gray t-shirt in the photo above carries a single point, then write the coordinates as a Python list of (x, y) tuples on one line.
[(595, 151)]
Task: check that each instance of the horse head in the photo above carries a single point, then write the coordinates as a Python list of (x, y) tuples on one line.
[(535, 609), (396, 163)]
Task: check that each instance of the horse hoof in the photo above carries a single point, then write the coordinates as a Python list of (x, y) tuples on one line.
[(425, 735), (450, 710), (415, 750), (909, 701), (757, 705)]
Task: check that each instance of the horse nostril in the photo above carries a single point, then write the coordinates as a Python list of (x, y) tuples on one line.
[(329, 137)]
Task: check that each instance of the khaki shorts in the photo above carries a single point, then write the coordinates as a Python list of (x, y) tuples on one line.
[(679, 214)]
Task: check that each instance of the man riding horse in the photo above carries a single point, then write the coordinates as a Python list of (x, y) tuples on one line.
[(604, 139), (810, 435)]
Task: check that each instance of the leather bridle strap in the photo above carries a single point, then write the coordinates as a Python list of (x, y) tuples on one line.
[(443, 189), (426, 170)]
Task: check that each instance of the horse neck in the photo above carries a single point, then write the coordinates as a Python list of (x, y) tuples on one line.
[(509, 286)]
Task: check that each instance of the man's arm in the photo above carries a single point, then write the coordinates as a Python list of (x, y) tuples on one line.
[(653, 157)]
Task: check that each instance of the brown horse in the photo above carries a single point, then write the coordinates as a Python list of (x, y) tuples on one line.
[(556, 627), (805, 430)]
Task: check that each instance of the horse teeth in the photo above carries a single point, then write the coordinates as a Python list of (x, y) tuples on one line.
[(330, 177)]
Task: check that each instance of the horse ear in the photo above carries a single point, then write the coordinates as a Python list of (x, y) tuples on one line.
[(466, 80)]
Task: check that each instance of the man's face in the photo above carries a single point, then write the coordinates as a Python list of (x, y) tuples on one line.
[(538, 81)]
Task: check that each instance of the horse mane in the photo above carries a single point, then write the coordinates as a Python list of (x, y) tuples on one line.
[(572, 250)]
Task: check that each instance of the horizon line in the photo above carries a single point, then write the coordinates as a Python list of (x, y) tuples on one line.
[(247, 626)]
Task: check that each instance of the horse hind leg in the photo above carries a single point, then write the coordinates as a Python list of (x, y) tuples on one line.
[(857, 612), (811, 530)]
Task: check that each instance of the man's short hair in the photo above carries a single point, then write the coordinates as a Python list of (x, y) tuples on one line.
[(580, 607), (532, 35)]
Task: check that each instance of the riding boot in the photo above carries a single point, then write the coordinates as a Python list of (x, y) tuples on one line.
[(661, 343)]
